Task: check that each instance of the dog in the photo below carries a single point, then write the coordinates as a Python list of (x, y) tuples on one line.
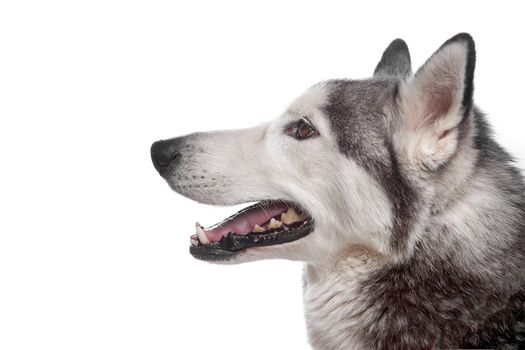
[(408, 215)]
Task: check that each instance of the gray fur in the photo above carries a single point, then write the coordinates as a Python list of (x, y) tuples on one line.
[(355, 111), (436, 297), (420, 215), (395, 61)]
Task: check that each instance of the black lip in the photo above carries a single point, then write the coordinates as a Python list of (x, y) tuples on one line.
[(233, 244)]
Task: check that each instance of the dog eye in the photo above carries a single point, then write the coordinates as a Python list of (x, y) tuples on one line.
[(301, 130)]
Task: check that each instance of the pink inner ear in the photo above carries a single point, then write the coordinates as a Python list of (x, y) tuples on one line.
[(438, 104), (444, 134)]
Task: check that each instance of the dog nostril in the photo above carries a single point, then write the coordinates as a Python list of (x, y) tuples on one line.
[(165, 154), (175, 157)]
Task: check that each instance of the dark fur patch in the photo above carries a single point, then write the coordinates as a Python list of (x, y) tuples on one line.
[(427, 302), (469, 69), (395, 61), (504, 329), (355, 112)]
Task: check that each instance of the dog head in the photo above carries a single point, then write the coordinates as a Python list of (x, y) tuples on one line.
[(350, 162)]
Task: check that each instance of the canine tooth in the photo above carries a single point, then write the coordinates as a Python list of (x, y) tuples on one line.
[(275, 223), (200, 233), (257, 229)]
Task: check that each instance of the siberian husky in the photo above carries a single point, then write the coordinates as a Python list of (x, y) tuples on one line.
[(409, 217)]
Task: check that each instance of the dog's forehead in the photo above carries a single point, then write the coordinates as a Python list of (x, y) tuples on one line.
[(368, 94), (311, 101), (355, 111), (357, 104), (361, 96)]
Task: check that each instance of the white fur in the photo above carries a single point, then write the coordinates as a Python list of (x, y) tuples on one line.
[(333, 308), (430, 104), (265, 163)]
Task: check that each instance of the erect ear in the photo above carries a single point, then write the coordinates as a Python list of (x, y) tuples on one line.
[(395, 61), (437, 100)]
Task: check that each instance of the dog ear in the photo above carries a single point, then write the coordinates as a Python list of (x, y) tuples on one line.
[(437, 100), (395, 61)]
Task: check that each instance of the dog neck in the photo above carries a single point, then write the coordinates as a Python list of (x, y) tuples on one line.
[(356, 257), (331, 298)]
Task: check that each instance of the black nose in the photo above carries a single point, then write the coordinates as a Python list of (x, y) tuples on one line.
[(165, 153)]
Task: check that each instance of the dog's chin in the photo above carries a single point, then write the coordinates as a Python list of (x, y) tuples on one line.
[(254, 233)]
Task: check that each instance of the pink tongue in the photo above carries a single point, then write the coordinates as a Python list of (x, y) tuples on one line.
[(244, 223)]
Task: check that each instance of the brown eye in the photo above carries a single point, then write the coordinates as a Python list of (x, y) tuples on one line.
[(301, 129)]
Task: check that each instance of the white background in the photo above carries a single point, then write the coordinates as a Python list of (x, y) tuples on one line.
[(93, 244)]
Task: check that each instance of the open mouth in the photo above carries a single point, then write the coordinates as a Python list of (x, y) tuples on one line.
[(262, 224)]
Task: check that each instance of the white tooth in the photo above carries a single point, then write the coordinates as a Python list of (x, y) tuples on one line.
[(202, 236), (194, 241), (257, 229), (291, 216), (275, 223)]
